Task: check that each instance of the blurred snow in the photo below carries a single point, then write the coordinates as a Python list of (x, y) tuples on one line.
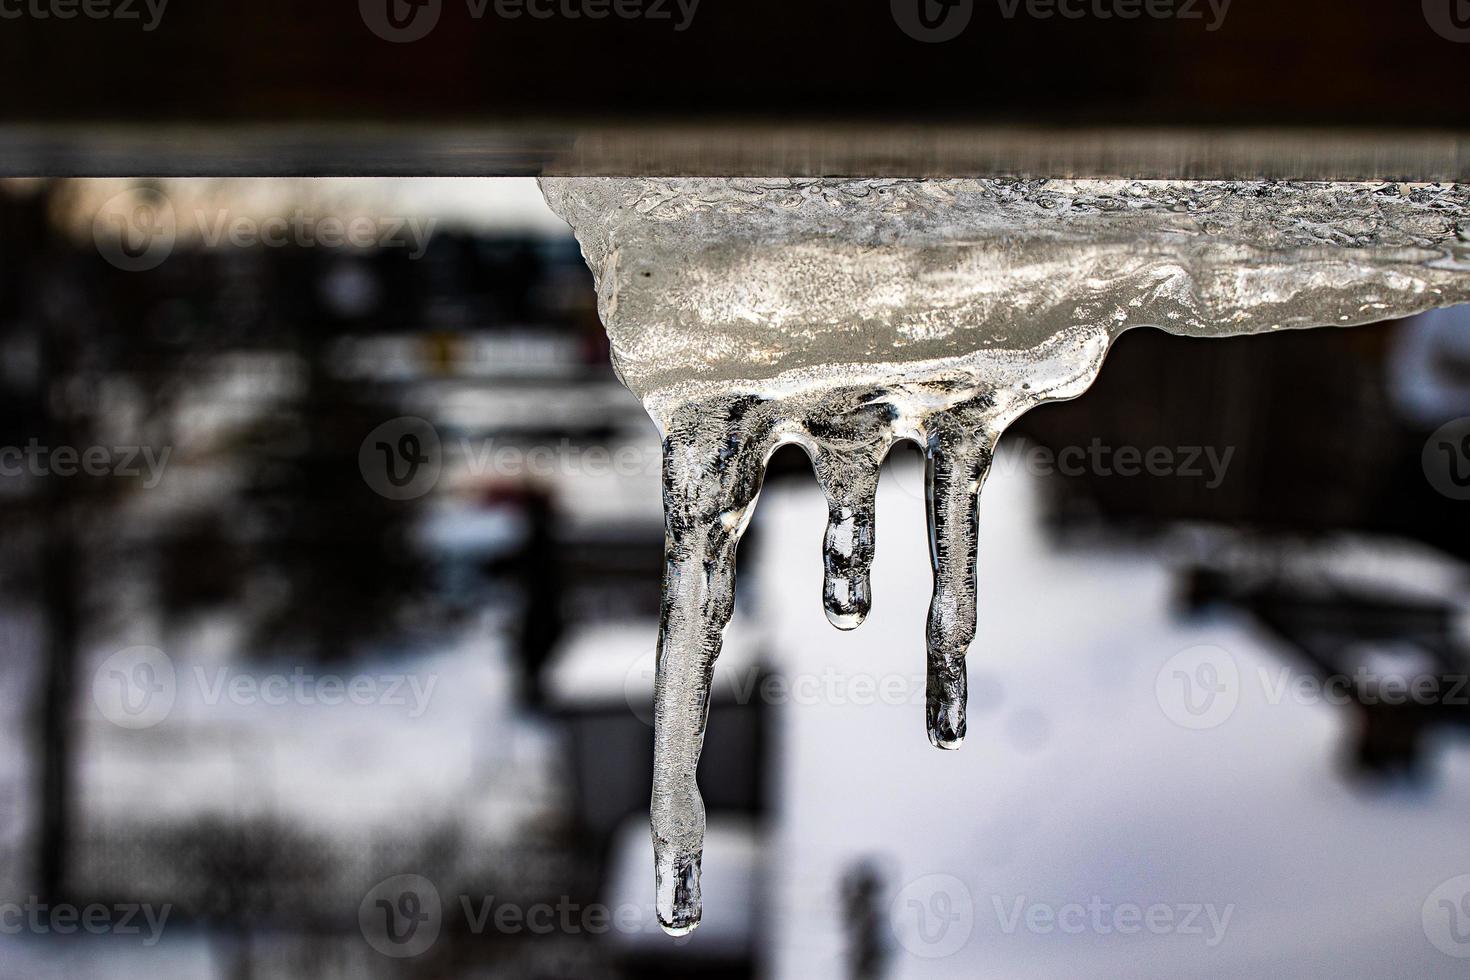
[(1074, 783), (730, 886), (442, 726), (504, 204)]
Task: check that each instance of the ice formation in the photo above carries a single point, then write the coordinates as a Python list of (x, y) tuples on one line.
[(845, 315)]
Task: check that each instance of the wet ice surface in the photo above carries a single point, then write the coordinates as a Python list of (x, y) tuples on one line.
[(846, 315)]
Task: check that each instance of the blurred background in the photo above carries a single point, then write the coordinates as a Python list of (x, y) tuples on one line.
[(332, 557)]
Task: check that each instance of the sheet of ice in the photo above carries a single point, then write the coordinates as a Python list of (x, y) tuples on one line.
[(846, 315)]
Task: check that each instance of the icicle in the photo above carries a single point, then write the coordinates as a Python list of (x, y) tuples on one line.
[(714, 460), (842, 315), (851, 487), (958, 456), (715, 450)]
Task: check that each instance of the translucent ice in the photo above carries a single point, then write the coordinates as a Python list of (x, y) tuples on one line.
[(845, 315)]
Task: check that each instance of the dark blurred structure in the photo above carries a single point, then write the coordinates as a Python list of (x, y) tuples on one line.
[(263, 370), (1367, 643), (533, 588), (1355, 63), (863, 898), (255, 374), (1316, 88), (1322, 449), (1318, 443)]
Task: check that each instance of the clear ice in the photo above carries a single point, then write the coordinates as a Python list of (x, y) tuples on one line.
[(845, 315)]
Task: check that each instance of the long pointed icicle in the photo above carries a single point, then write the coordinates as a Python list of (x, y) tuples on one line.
[(714, 460), (958, 453)]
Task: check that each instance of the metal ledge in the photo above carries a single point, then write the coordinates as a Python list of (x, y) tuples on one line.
[(732, 149)]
